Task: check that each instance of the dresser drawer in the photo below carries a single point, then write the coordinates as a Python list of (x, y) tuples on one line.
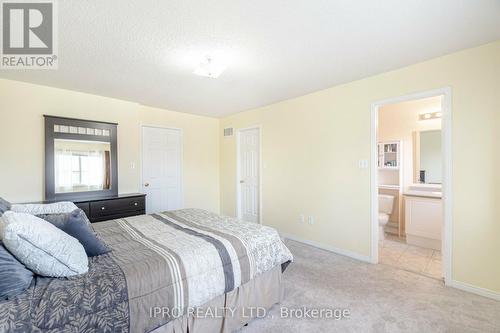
[(85, 206), (111, 208)]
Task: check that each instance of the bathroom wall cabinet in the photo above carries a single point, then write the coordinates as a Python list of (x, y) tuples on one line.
[(389, 155)]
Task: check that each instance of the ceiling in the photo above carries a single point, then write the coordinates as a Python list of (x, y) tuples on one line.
[(146, 51)]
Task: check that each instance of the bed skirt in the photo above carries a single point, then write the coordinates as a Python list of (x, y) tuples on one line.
[(232, 310)]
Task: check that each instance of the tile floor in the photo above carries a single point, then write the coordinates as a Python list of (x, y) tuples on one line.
[(395, 252)]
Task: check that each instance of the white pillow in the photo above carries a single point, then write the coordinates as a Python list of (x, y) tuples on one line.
[(2, 223), (37, 209), (42, 247)]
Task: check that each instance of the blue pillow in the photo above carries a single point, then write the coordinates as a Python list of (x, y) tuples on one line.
[(14, 277), (76, 225), (4, 206)]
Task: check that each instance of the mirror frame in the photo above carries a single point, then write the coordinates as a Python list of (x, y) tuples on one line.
[(51, 135)]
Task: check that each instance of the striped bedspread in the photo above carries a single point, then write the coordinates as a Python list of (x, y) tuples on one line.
[(185, 258)]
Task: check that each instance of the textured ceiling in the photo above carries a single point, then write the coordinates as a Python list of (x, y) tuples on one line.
[(145, 51)]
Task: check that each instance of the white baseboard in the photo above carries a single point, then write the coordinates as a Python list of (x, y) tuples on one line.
[(474, 290), (333, 249)]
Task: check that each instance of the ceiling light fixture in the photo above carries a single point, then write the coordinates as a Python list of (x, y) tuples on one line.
[(209, 68), (430, 115)]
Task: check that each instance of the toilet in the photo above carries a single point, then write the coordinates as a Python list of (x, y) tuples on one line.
[(385, 205)]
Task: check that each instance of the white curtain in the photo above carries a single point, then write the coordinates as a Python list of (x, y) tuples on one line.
[(93, 169), (63, 169)]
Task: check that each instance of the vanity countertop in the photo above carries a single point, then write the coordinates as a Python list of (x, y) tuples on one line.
[(424, 194), (424, 190)]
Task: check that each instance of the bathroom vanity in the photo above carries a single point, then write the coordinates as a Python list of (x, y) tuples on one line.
[(424, 215)]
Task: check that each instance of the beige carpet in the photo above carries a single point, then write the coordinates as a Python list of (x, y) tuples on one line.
[(380, 298)]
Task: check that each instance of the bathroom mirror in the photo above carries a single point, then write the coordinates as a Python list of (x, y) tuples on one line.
[(80, 159), (427, 157)]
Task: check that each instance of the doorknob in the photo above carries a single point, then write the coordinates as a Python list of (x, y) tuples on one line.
[(146, 185)]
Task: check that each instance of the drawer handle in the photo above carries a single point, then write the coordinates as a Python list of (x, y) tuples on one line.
[(103, 208), (135, 204)]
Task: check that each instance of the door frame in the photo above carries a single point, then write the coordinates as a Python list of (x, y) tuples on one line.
[(446, 137), (141, 156), (238, 189)]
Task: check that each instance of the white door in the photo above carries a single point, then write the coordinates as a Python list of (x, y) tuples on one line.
[(161, 168), (249, 174)]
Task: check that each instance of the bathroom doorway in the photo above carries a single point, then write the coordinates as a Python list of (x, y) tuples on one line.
[(411, 183)]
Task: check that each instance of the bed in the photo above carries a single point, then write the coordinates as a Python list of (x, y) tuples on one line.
[(180, 271)]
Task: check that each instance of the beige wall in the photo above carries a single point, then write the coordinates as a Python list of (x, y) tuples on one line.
[(397, 122), (21, 135), (312, 144)]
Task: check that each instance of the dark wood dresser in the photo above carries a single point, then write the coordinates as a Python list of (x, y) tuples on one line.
[(100, 203), (106, 208), (115, 207)]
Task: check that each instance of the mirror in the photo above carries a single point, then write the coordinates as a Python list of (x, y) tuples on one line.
[(81, 160), (81, 166), (427, 157)]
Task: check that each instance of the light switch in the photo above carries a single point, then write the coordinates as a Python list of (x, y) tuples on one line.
[(132, 165), (363, 164)]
